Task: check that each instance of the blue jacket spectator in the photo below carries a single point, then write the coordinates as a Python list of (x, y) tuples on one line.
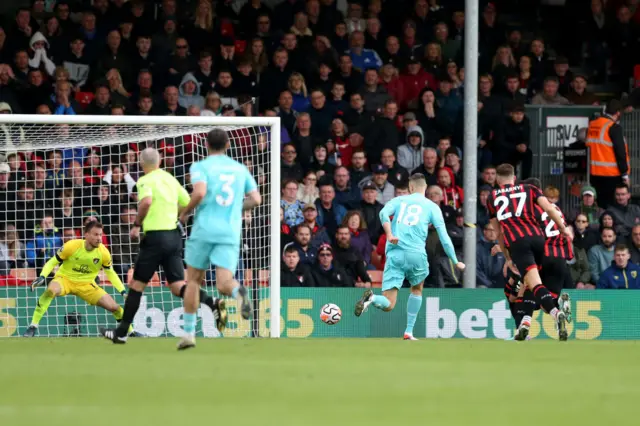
[(622, 274), (62, 102), (300, 102), (488, 267), (362, 58), (330, 212), (45, 244)]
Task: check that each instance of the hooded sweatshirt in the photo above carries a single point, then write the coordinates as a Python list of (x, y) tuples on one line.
[(40, 55), (185, 100), (452, 195), (411, 157)]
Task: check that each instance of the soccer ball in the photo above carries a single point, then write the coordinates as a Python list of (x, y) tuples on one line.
[(330, 314)]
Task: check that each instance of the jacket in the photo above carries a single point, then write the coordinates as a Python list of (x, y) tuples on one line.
[(307, 257), (599, 260), (300, 277), (335, 276), (319, 236), (374, 101), (371, 214), (411, 157), (361, 242), (349, 196), (50, 242), (40, 57), (625, 217), (339, 212), (185, 100), (609, 151), (352, 262), (489, 268), (579, 267), (616, 278), (453, 195)]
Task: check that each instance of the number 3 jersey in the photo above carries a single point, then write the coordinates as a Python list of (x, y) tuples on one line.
[(516, 208), (218, 218)]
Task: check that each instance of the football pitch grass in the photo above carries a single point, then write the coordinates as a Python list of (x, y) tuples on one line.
[(336, 382)]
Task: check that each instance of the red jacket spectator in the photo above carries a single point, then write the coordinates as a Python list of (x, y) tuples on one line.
[(344, 148), (395, 88), (452, 194), (413, 83)]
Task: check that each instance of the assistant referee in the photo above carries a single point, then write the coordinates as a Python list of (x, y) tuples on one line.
[(160, 196), (609, 163)]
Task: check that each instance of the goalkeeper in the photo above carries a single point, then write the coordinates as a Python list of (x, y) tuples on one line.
[(81, 262)]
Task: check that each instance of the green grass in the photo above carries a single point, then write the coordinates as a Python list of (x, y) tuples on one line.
[(328, 382)]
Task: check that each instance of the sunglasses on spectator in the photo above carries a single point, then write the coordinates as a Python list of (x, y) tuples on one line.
[(290, 151), (325, 254)]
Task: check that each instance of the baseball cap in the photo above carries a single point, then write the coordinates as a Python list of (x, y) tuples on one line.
[(369, 185), (413, 60), (452, 150), (309, 206), (227, 107), (380, 169), (325, 247), (169, 149), (588, 190), (5, 107), (4, 168), (409, 116)]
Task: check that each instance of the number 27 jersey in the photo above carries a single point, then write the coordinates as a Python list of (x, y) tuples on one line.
[(515, 207), (218, 218)]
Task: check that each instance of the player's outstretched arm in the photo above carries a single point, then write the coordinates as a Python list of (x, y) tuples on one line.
[(46, 270), (115, 281), (254, 199)]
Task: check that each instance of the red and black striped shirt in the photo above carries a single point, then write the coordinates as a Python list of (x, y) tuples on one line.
[(556, 244), (514, 206)]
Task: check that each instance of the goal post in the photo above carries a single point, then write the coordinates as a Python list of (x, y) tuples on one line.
[(59, 171)]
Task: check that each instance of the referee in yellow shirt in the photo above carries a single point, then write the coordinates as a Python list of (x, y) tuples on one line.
[(160, 199)]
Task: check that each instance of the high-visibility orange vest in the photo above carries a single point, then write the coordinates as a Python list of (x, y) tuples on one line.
[(603, 158)]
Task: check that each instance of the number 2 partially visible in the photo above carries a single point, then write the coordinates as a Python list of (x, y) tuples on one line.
[(549, 230), (226, 199)]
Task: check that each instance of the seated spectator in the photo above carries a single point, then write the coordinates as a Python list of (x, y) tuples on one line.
[(77, 62), (66, 214), (101, 103), (226, 89), (321, 115), (349, 257), (511, 144), (189, 92), (123, 246), (397, 175), (588, 206), (16, 256), (40, 58), (62, 102), (379, 179), (362, 58), (292, 272), (292, 206), (171, 105), (601, 255), (342, 140), (347, 192), (55, 172), (482, 217), (625, 214), (118, 93), (452, 193), (327, 272), (410, 154), (370, 208), (360, 238), (356, 117), (374, 94), (320, 163), (429, 167), (358, 170), (302, 138), (488, 266), (302, 243), (392, 83), (563, 74), (449, 102), (290, 169), (579, 95), (319, 234), (488, 177), (298, 89), (584, 235), (330, 212), (286, 236), (308, 192), (47, 241), (337, 101), (622, 274), (452, 161), (549, 94), (580, 270)]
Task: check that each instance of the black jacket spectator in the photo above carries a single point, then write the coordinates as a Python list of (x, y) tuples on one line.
[(352, 262), (382, 134), (371, 214), (299, 277)]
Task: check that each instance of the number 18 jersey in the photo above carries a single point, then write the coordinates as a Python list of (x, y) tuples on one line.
[(218, 218), (412, 215), (515, 207)]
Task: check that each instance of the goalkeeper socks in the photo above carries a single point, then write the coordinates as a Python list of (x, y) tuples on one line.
[(42, 306), (190, 323), (381, 302), (118, 314), (545, 299), (204, 297), (413, 308), (131, 306)]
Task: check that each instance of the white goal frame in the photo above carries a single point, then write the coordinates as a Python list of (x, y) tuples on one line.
[(122, 120)]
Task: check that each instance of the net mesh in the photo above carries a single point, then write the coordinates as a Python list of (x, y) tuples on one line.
[(63, 175)]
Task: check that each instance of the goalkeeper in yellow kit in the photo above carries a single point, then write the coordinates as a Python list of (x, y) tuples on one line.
[(81, 262)]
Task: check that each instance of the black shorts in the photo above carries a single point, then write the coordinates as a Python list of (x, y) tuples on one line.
[(160, 248), (555, 274), (527, 253)]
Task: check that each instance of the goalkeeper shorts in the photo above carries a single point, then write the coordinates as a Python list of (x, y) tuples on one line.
[(90, 292)]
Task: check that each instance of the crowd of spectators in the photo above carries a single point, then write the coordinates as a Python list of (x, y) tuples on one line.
[(368, 92)]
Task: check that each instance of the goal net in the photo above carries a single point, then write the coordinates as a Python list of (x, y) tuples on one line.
[(57, 173)]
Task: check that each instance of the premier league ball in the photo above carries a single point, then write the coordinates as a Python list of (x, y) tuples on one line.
[(330, 314)]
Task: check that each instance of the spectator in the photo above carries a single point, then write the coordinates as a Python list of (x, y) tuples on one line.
[(383, 133), (410, 154), (337, 102), (375, 96), (121, 182), (513, 95), (578, 94), (358, 171), (601, 255), (55, 173), (360, 238), (62, 103), (357, 118), (320, 164), (634, 244), (226, 89), (327, 273), (512, 143), (123, 245), (608, 221), (397, 175), (46, 243), (321, 115), (452, 193), (370, 208), (622, 274), (289, 168), (292, 207), (585, 236), (342, 140), (302, 243), (625, 214), (489, 266), (213, 104), (330, 212), (349, 257), (319, 234), (347, 193), (277, 75), (190, 92), (379, 179), (40, 58), (482, 217), (449, 102), (452, 161), (550, 95), (390, 80), (580, 270), (308, 192), (101, 103), (298, 89), (180, 62), (66, 214), (361, 58), (588, 206), (171, 104), (429, 167), (293, 273), (16, 255)]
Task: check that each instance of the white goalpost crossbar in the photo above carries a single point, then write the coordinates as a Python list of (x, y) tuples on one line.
[(22, 133)]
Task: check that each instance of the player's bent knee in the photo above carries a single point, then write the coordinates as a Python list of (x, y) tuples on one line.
[(54, 288)]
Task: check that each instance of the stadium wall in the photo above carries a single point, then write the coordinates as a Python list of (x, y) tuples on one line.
[(445, 313)]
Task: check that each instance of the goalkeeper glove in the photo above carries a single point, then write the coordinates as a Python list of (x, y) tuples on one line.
[(37, 283), (123, 293)]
